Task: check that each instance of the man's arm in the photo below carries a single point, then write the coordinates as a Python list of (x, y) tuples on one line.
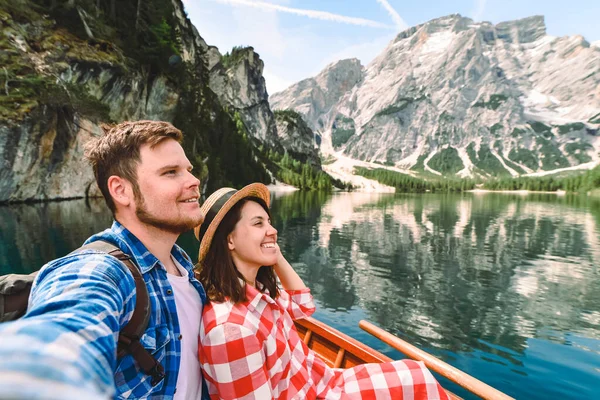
[(65, 346)]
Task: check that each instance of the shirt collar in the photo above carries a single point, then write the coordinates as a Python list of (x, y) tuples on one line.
[(132, 246), (254, 297)]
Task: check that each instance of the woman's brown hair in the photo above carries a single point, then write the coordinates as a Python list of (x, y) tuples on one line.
[(218, 273)]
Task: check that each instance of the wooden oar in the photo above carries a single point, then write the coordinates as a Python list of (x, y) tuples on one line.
[(457, 376)]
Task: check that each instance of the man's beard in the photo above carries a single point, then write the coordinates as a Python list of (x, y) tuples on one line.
[(178, 227)]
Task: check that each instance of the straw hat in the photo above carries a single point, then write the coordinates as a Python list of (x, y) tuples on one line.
[(216, 207)]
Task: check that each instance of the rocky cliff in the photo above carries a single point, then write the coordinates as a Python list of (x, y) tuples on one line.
[(238, 82), (67, 67), (315, 97), (455, 97), (297, 138)]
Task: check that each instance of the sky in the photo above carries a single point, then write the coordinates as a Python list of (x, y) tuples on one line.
[(296, 39)]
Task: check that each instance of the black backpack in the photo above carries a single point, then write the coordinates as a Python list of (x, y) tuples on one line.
[(15, 290)]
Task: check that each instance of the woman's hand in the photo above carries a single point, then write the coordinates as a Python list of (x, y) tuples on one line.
[(285, 272), (280, 258)]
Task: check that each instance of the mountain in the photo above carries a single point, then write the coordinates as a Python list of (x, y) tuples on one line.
[(68, 67), (458, 98), (297, 138), (315, 97), (237, 79)]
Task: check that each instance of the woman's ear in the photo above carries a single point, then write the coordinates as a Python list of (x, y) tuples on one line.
[(230, 244)]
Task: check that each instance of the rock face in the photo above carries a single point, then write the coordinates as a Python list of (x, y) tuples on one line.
[(41, 150), (43, 155), (62, 81), (314, 97), (45, 164), (452, 96), (241, 85), (297, 138)]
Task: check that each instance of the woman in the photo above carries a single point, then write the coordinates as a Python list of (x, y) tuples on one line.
[(250, 348)]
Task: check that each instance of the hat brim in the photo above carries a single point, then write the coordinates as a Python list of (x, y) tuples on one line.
[(213, 201)]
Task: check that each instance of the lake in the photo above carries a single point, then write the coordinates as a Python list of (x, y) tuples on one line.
[(503, 286)]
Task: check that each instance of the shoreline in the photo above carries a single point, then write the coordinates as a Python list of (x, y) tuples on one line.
[(280, 187), (521, 192), (285, 188)]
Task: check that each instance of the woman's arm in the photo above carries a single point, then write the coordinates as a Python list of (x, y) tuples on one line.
[(233, 363), (296, 298)]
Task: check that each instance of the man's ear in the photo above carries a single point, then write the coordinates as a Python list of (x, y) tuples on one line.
[(121, 191), (230, 243)]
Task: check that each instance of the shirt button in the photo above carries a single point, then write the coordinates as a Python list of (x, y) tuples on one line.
[(180, 337), (169, 291)]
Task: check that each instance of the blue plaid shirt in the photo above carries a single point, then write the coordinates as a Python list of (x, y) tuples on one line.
[(65, 346)]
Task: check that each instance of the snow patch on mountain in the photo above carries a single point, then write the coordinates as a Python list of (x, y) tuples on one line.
[(509, 169), (426, 164), (343, 169), (580, 167), (467, 171)]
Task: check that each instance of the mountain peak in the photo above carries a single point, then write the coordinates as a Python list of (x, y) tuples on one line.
[(342, 64), (314, 96), (525, 30), (448, 22)]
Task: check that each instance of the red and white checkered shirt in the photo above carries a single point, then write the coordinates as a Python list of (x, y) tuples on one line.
[(252, 350)]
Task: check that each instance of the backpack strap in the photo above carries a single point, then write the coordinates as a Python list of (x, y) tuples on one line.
[(129, 336), (14, 295)]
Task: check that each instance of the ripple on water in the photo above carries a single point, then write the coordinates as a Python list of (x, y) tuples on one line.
[(592, 320), (564, 360)]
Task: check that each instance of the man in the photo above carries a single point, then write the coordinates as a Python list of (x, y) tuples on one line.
[(65, 346)]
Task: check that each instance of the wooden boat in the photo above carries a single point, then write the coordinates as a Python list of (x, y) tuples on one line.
[(339, 350)]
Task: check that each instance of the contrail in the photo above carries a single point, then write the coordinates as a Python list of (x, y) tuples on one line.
[(479, 10), (400, 24), (323, 15)]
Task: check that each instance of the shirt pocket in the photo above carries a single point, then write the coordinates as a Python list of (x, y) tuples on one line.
[(130, 380)]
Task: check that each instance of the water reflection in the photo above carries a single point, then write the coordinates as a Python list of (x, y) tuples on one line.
[(479, 275), (32, 234), (505, 287)]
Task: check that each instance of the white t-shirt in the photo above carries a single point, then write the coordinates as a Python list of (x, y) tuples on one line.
[(189, 312)]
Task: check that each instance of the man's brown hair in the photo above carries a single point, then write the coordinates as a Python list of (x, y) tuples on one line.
[(117, 152), (218, 273)]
